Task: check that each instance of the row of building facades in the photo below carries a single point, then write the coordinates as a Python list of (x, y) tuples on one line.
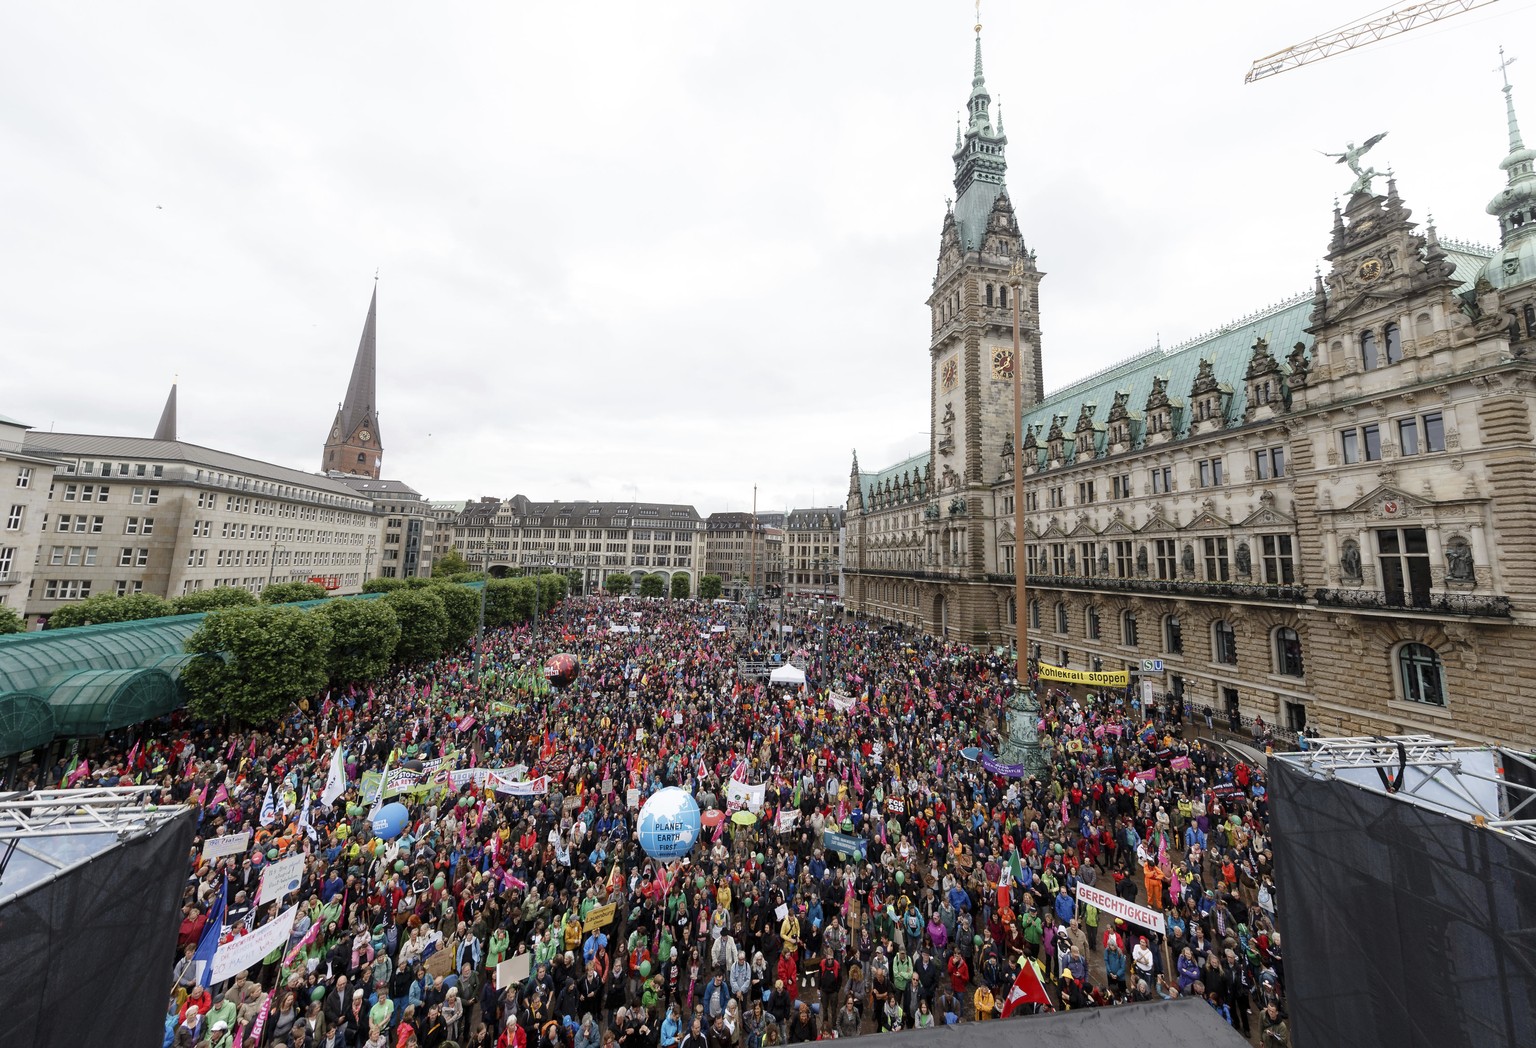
[(1322, 514), (92, 514)]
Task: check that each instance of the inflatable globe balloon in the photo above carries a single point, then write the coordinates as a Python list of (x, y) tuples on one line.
[(391, 821), (669, 824), (560, 670)]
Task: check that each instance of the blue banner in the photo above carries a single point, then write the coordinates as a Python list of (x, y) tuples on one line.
[(1007, 771), (844, 843)]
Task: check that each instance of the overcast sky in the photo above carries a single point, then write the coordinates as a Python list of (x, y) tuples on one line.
[(660, 251)]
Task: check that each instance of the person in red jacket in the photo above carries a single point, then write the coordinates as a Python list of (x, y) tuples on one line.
[(959, 973)]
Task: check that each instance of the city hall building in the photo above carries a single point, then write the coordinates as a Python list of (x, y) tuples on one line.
[(1323, 513)]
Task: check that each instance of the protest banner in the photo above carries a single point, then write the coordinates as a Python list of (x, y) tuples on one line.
[(1098, 678), (525, 788), (598, 917), (1179, 764), (232, 844), (786, 819), (840, 702), (239, 954), (740, 795), (843, 843), (996, 767), (1147, 776), (280, 878), (1108, 902), (513, 970)]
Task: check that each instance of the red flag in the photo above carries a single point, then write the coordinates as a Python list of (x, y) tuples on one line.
[(1026, 989)]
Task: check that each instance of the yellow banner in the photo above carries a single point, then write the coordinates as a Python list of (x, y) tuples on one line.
[(1101, 678), (597, 918)]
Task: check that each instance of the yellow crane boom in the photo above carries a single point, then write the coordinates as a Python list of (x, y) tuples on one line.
[(1373, 27)]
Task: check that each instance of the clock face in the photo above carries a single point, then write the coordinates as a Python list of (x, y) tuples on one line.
[(335, 433), (949, 374), (1370, 269), (1002, 363), (364, 435)]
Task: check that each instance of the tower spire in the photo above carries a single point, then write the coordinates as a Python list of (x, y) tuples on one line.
[(1515, 204), (354, 444), (166, 430), (978, 156)]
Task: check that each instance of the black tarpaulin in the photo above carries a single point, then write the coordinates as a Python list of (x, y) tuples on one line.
[(1186, 1023)]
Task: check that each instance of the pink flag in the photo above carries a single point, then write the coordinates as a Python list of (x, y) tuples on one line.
[(131, 755), (229, 756), (221, 794), (252, 751), (79, 773), (202, 796), (309, 937), (239, 1035), (261, 1019)]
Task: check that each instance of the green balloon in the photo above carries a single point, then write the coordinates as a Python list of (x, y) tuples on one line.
[(698, 882), (271, 853), (399, 865), (645, 969), (441, 882), (901, 878), (976, 939), (354, 809), (759, 857), (317, 994)]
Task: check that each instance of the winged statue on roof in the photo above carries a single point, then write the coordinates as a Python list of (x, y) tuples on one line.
[(1351, 156)]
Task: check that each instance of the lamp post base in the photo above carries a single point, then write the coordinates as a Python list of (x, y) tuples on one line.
[(1021, 743)]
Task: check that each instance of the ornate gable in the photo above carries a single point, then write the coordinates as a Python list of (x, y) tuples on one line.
[(1267, 516), (1157, 522)]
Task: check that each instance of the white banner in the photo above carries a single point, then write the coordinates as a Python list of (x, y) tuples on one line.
[(840, 702), (239, 954), (233, 844), (280, 878), (527, 788), (787, 819), (1105, 902), (740, 795)]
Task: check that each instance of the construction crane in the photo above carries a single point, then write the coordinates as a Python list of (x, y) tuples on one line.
[(1368, 30)]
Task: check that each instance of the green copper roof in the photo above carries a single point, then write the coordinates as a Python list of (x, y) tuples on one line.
[(913, 465)]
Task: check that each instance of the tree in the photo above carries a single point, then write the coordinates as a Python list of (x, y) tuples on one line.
[(709, 587), (552, 590), (212, 600), (618, 584), (258, 662), (383, 585), (653, 585), (463, 607), (10, 622), (104, 607), (451, 563), (680, 586), (364, 635), (423, 624), (573, 580), (292, 592), (508, 602)]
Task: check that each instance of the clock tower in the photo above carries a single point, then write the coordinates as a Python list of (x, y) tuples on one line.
[(353, 445)]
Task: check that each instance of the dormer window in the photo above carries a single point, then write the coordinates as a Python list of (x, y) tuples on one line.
[(1261, 392)]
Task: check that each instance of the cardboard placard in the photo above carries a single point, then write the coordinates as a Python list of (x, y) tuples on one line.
[(232, 844), (513, 970), (598, 917)]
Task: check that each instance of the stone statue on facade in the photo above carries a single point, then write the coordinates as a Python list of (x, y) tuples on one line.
[(1187, 559), (1458, 562), (1244, 559), (1351, 156), (1103, 562), (1349, 560), (1141, 561)]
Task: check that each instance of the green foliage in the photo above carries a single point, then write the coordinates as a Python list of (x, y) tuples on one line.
[(423, 623), (364, 635), (680, 586), (451, 563), (419, 583), (551, 589), (653, 585), (260, 662), (10, 622), (710, 587), (508, 602), (573, 581), (618, 584), (465, 576), (212, 600), (462, 605), (383, 585), (104, 607), (290, 592)]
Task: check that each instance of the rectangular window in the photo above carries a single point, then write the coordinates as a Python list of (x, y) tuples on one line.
[(149, 525), (136, 496), (24, 477), (1408, 436), (1370, 436), (1084, 492), (1269, 463), (1349, 445), (1216, 566), (130, 526), (1058, 558), (1279, 561), (1404, 557), (13, 519), (1210, 473), (1434, 432), (154, 497), (7, 558), (1121, 486), (1167, 559), (125, 558), (71, 492), (1162, 480), (1125, 564), (97, 523), (1087, 553)]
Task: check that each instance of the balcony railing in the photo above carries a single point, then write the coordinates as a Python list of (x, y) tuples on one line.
[(1171, 587), (1477, 605)]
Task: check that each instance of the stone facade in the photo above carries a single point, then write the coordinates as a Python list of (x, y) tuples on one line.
[(813, 552), (1323, 514), (592, 539), (24, 480), (745, 552)]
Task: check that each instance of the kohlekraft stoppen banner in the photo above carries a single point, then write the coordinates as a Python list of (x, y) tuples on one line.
[(1096, 678)]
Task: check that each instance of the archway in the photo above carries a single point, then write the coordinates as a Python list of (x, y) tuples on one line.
[(500, 571), (941, 614)]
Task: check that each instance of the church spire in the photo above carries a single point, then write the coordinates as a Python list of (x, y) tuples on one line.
[(166, 430), (354, 445), (1515, 205), (978, 156)]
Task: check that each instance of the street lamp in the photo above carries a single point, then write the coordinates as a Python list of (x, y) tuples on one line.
[(1021, 740), (368, 557), (272, 565)]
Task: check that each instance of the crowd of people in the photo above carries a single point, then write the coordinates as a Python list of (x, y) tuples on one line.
[(765, 934)]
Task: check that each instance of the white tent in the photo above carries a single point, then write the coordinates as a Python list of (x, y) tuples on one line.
[(787, 675)]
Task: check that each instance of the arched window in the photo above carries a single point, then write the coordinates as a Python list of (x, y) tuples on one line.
[(1422, 675), (1092, 628), (1002, 295), (1530, 321), (1394, 344), (1061, 618), (1368, 359), (989, 294), (1013, 610), (1288, 652), (1224, 642), (1034, 614), (1128, 629), (1173, 636)]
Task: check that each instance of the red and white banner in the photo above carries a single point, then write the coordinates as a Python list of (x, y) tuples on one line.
[(1105, 902), (527, 788)]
